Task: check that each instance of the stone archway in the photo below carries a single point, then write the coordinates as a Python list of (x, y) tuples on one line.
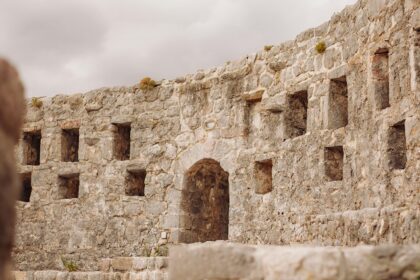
[(205, 203)]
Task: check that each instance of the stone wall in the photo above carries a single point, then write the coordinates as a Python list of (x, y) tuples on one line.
[(308, 141)]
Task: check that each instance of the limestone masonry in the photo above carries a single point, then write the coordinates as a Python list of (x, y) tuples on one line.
[(286, 146)]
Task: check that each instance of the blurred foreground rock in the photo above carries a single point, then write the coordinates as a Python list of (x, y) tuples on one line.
[(222, 260), (11, 118)]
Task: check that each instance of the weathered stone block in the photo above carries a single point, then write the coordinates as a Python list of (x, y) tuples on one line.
[(122, 264), (140, 263)]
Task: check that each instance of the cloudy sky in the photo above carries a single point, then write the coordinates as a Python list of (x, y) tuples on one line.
[(70, 46)]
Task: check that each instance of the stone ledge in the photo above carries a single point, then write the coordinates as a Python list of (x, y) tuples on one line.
[(254, 95)]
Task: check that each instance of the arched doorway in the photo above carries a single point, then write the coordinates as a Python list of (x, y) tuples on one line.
[(205, 203)]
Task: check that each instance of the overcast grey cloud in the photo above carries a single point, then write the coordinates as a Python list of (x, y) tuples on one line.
[(70, 46)]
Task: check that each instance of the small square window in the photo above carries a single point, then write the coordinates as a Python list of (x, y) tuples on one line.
[(380, 74), (26, 187), (333, 159), (70, 145), (122, 141), (135, 183), (264, 176), (397, 150), (338, 103), (32, 147), (298, 114), (68, 186)]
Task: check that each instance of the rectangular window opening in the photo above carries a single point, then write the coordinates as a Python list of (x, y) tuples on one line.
[(70, 145), (380, 74), (397, 149), (32, 147), (333, 160), (338, 103), (417, 38), (26, 187), (135, 183), (251, 114), (416, 66), (122, 141), (264, 176), (68, 186), (298, 113)]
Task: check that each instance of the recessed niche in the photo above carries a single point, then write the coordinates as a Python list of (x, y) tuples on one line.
[(134, 185), (32, 147), (70, 145), (380, 74), (397, 150), (121, 148), (26, 187), (263, 174), (338, 103), (333, 163), (68, 186), (417, 57), (298, 113), (252, 117)]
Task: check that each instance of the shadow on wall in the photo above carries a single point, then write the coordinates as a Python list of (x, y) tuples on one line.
[(12, 108)]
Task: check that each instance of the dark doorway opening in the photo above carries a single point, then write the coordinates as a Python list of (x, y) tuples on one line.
[(205, 202)]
